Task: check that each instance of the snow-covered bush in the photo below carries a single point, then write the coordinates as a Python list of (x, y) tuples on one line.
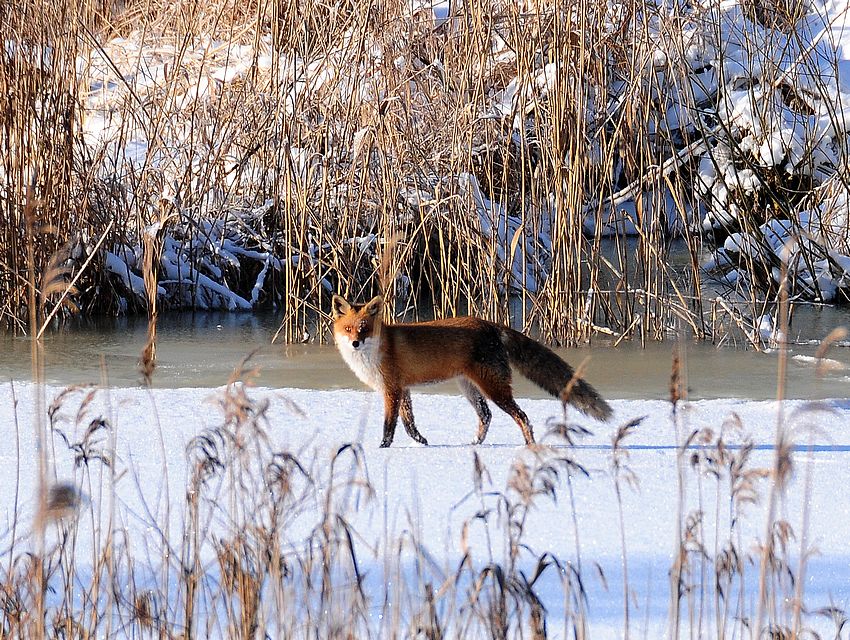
[(777, 150)]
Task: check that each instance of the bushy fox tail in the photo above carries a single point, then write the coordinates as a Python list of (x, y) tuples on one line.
[(544, 368)]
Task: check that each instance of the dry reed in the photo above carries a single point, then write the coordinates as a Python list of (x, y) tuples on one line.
[(492, 149)]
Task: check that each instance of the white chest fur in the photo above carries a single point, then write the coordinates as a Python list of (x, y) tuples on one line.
[(365, 360)]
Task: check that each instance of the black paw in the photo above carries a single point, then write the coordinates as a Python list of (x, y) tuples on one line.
[(385, 443)]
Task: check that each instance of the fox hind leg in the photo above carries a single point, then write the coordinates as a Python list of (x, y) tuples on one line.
[(509, 406), (406, 411), (498, 389), (479, 403)]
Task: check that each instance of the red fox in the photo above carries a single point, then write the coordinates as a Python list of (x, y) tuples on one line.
[(392, 357)]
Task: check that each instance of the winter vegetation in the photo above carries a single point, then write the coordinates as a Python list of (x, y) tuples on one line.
[(636, 170), (625, 168)]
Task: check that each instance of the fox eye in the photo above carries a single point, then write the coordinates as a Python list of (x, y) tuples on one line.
[(348, 329)]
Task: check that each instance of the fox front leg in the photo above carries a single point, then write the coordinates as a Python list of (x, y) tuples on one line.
[(392, 403)]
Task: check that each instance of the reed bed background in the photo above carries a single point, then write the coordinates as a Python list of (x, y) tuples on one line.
[(572, 167)]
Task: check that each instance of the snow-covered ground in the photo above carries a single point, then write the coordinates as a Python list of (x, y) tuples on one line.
[(429, 492)]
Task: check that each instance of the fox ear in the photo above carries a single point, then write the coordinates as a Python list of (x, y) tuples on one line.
[(339, 307), (375, 306)]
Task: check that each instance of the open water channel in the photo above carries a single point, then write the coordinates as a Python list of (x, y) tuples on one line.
[(202, 349)]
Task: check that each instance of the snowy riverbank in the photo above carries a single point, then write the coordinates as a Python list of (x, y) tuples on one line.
[(428, 494)]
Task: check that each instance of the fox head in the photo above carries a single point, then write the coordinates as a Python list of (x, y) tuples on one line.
[(354, 324)]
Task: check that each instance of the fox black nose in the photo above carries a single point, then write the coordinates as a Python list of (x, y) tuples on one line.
[(355, 343)]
